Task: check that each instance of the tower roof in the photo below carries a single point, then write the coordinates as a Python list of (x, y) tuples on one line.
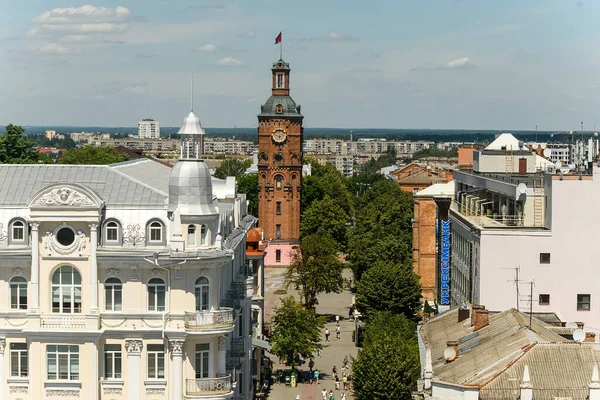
[(191, 125), (289, 107), (280, 64)]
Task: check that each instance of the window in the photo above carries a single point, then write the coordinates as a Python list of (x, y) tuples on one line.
[(113, 294), (156, 294), (202, 291), (65, 236), (240, 323), (18, 360), (18, 293), (66, 290), (203, 234), (63, 362), (278, 231), (544, 258), (278, 208), (156, 361), (278, 182), (277, 255), (279, 81), (544, 299), (155, 232), (18, 231), (584, 302), (112, 361), (191, 238), (279, 109), (202, 354), (112, 232)]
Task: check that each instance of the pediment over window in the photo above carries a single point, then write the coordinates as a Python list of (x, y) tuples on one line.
[(65, 195)]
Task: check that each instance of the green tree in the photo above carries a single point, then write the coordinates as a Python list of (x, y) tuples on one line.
[(232, 167), (296, 331), (389, 287), (388, 366), (315, 268), (248, 184), (326, 180), (325, 216), (92, 155), (16, 148)]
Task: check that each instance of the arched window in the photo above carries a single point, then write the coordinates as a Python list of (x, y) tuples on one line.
[(112, 233), (202, 291), (155, 233), (66, 290), (18, 232), (113, 295), (278, 180), (156, 295), (18, 293), (203, 234), (191, 238), (279, 109)]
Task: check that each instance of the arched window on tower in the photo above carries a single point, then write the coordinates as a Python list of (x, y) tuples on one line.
[(279, 109), (279, 81), (278, 182)]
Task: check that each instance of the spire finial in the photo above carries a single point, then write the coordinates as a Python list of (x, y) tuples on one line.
[(192, 93)]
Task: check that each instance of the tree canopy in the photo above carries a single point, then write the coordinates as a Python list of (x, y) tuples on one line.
[(92, 155), (232, 167), (326, 180), (16, 148), (388, 365), (315, 268), (325, 217), (391, 287), (248, 184), (296, 331)]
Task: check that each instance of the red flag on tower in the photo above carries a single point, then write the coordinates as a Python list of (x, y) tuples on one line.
[(278, 38)]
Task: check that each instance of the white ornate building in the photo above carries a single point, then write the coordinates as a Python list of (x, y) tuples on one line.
[(127, 281)]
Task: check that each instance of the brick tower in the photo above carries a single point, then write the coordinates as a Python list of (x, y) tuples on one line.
[(280, 168)]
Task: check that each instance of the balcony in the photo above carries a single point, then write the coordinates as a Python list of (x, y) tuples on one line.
[(209, 387), (62, 322), (209, 321)]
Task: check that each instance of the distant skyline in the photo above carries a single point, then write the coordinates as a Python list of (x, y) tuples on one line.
[(456, 64)]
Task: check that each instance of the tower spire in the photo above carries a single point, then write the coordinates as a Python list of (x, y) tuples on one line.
[(192, 93)]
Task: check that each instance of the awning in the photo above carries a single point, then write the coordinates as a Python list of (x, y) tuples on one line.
[(261, 343)]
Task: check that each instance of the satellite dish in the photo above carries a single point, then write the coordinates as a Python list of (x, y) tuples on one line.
[(558, 164), (521, 144), (547, 153), (534, 145), (596, 134), (578, 336), (521, 189), (450, 354)]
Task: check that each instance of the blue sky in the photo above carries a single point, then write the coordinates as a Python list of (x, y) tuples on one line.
[(355, 64)]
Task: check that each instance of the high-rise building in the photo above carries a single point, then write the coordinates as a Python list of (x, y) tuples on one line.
[(148, 129), (280, 167)]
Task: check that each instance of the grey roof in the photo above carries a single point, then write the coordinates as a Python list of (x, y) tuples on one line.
[(190, 189), (191, 125), (483, 354), (556, 370), (290, 109), (149, 172), (18, 182)]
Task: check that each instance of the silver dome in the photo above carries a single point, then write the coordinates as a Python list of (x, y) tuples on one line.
[(190, 189)]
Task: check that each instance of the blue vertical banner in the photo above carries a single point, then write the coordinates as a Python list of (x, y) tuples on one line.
[(445, 263)]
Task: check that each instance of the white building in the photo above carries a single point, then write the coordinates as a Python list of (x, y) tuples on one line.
[(126, 281), (511, 220), (148, 129)]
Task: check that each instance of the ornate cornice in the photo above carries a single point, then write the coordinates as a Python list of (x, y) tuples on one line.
[(133, 346), (176, 347), (64, 196), (113, 273), (18, 272)]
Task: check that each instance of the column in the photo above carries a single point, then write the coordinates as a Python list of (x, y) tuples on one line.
[(35, 268), (2, 345), (134, 352), (93, 269), (222, 355), (177, 369)]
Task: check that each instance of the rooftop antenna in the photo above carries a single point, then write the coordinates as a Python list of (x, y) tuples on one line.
[(536, 133), (516, 282)]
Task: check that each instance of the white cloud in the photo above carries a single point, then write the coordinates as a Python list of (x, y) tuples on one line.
[(229, 61), (135, 89), (84, 13), (75, 38), (208, 47), (54, 48), (249, 34), (458, 63)]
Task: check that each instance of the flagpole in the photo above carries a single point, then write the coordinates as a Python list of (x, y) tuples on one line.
[(281, 48)]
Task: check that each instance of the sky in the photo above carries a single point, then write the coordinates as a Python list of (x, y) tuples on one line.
[(447, 64)]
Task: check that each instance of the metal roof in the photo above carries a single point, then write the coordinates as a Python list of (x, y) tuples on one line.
[(191, 125), (18, 182), (290, 109), (149, 172)]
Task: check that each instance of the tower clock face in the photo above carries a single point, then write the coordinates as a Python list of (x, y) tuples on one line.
[(279, 136)]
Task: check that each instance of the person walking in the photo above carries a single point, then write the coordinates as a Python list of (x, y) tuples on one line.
[(343, 396), (310, 376), (331, 396), (337, 382), (319, 353), (338, 330), (311, 364), (334, 371), (316, 374), (345, 381), (337, 320), (324, 394), (343, 369), (326, 335)]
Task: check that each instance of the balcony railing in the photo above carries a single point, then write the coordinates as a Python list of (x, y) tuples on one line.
[(62, 322), (222, 318), (237, 347), (208, 386)]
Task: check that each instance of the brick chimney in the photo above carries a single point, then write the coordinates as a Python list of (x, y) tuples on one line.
[(463, 312), (479, 317), (590, 337)]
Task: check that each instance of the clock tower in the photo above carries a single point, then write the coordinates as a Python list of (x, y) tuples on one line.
[(280, 168)]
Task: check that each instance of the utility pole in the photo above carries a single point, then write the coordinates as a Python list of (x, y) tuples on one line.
[(531, 285)]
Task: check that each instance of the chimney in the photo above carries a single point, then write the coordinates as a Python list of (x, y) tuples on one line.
[(479, 317), (594, 386), (453, 344), (463, 312), (580, 325), (522, 166), (590, 337), (525, 389)]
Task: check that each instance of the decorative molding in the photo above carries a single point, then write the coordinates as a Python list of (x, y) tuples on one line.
[(176, 347), (113, 272), (204, 271), (133, 346), (63, 392), (134, 234), (53, 246), (64, 196), (112, 390), (18, 389), (155, 391), (34, 226), (93, 226), (134, 273), (222, 343), (3, 234), (177, 274), (18, 272), (156, 272), (2, 345)]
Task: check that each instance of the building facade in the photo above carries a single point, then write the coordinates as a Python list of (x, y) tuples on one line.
[(126, 281), (148, 129), (280, 136)]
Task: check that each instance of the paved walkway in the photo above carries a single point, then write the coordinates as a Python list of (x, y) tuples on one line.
[(332, 354)]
